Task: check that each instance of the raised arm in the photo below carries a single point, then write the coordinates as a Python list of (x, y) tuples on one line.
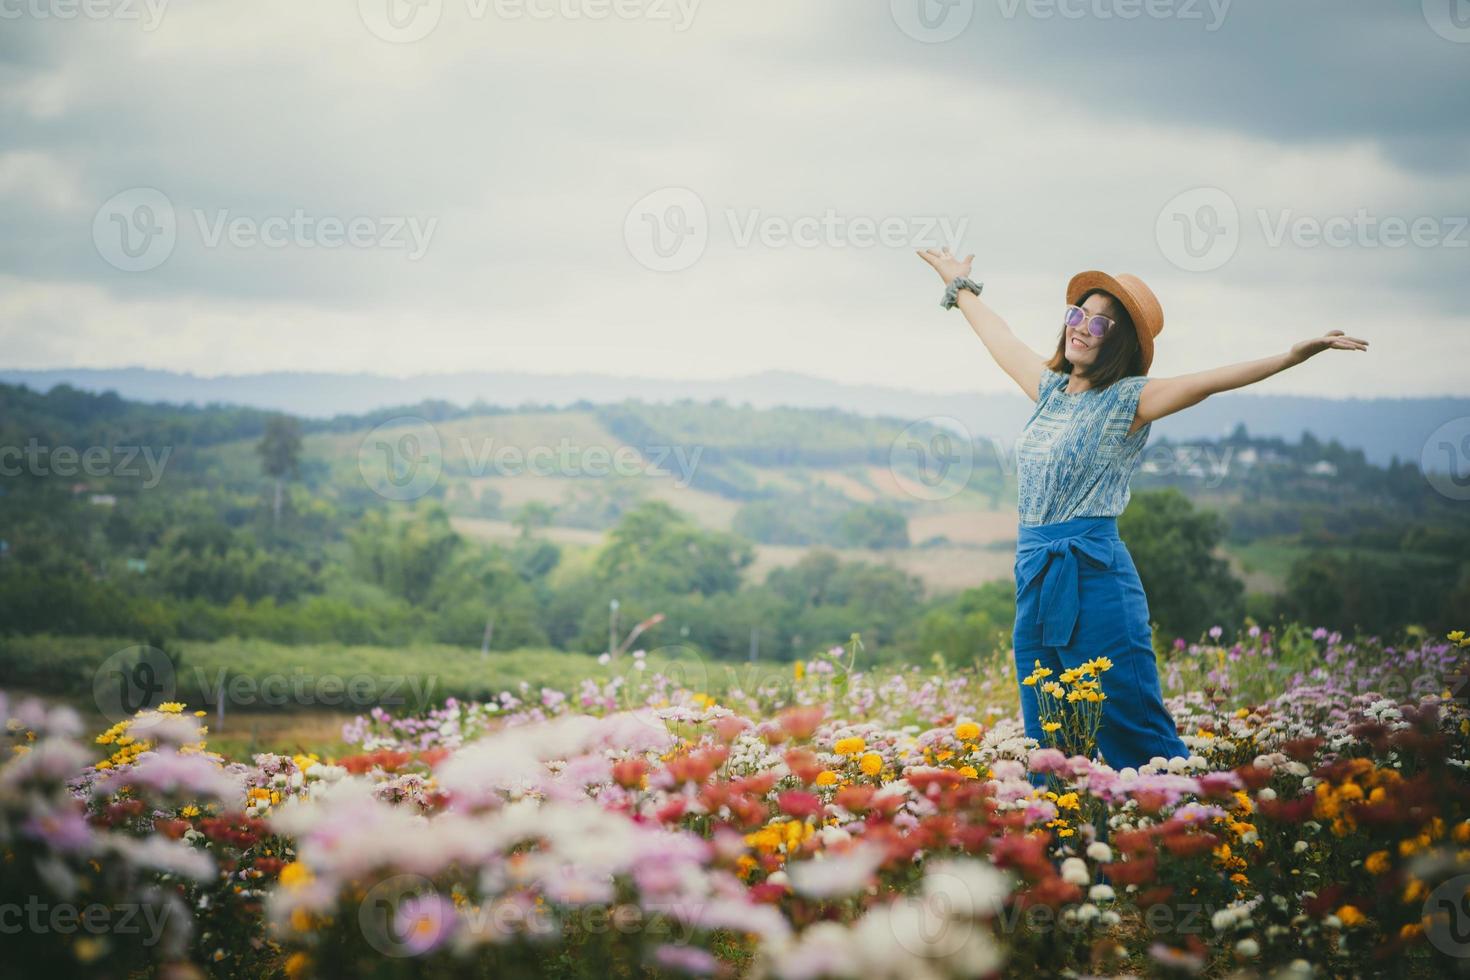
[(1165, 396), (1022, 363)]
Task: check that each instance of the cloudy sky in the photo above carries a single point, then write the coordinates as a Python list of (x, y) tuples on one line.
[(703, 188)]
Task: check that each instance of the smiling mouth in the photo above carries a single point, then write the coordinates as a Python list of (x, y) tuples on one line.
[(1077, 344)]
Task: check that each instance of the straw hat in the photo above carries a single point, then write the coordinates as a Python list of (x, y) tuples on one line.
[(1140, 302)]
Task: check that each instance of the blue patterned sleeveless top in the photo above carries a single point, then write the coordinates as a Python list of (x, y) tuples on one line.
[(1075, 456)]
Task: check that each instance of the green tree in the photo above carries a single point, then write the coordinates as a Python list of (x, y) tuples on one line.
[(969, 624), (873, 526), (532, 515), (655, 549), (1174, 546), (280, 455)]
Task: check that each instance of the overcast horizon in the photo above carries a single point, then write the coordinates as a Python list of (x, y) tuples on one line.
[(702, 190)]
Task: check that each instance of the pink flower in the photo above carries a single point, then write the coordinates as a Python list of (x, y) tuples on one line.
[(1047, 760)]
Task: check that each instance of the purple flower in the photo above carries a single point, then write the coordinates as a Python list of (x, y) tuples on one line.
[(423, 923), (65, 829)]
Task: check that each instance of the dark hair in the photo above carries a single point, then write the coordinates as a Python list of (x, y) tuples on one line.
[(1119, 356)]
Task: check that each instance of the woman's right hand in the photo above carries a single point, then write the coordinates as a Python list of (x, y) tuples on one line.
[(948, 266)]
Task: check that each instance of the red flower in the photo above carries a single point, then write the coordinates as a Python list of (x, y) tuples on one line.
[(1253, 776), (925, 780), (629, 773), (1138, 871), (269, 865), (767, 893), (797, 804), (1302, 749), (171, 828), (385, 759), (1189, 845), (803, 764), (855, 799), (801, 723), (729, 727)]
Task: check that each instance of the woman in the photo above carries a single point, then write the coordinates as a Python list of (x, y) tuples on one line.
[(1078, 595)]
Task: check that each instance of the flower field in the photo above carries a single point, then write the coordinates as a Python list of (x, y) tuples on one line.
[(819, 820)]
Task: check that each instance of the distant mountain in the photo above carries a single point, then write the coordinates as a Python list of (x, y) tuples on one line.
[(1383, 428)]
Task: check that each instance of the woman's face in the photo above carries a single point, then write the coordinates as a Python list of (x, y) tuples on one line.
[(1081, 346)]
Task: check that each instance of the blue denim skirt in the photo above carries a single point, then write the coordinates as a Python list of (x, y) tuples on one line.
[(1078, 597)]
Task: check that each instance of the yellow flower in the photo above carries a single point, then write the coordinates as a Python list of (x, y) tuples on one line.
[(1099, 664), (969, 772), (798, 670), (1350, 916), (300, 920), (1051, 726), (189, 811), (826, 778), (849, 746), (171, 707), (295, 874), (1377, 862), (1053, 688), (967, 731), (871, 764)]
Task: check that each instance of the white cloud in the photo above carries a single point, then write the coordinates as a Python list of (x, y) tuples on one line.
[(526, 141)]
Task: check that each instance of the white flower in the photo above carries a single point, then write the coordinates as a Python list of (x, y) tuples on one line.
[(1099, 851), (1074, 871), (838, 874), (966, 887), (1300, 846), (1101, 893), (1266, 795)]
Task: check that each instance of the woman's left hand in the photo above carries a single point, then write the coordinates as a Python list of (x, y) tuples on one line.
[(1331, 340)]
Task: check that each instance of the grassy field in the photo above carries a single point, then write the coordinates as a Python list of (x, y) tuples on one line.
[(292, 698)]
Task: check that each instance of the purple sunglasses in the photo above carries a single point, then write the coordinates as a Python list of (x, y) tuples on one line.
[(1097, 324)]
